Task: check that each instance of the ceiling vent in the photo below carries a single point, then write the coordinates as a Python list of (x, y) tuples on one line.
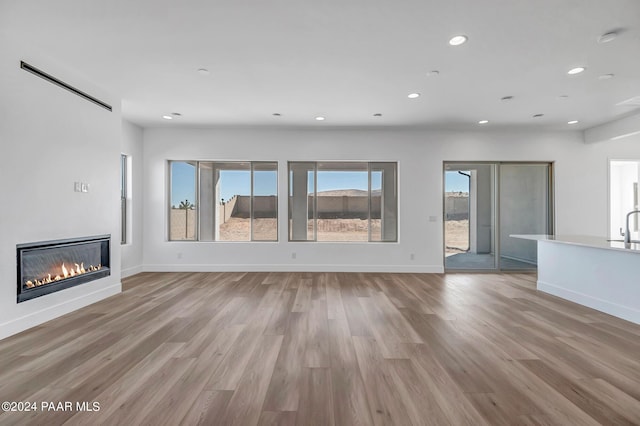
[(51, 79), (633, 102)]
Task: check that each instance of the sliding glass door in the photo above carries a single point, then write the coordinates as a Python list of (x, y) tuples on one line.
[(525, 208), (470, 216), (485, 203)]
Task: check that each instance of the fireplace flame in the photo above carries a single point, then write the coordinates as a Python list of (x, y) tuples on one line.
[(66, 273)]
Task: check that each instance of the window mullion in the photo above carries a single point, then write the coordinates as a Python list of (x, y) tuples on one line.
[(251, 168), (369, 202), (315, 201)]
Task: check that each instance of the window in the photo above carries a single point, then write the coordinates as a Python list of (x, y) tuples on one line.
[(343, 201), (123, 198), (182, 219), (224, 201)]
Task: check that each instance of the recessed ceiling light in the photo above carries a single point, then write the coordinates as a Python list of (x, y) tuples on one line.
[(377, 114), (563, 97), (176, 114), (203, 71), (605, 76), (320, 118), (572, 122), (167, 117), (458, 40), (483, 121), (606, 38), (576, 70), (433, 73), (277, 114), (413, 95), (506, 98), (538, 115)]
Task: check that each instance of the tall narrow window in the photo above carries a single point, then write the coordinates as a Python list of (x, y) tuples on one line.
[(342, 201), (237, 201), (123, 198), (182, 219)]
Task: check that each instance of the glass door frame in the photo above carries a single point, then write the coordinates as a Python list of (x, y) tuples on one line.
[(496, 208)]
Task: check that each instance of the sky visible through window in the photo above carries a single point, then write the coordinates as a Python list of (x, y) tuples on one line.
[(237, 182), (183, 178), (234, 182), (455, 182)]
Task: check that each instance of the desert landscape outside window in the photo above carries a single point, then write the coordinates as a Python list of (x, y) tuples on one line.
[(343, 201), (237, 201)]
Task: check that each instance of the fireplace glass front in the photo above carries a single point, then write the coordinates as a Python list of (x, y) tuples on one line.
[(49, 266)]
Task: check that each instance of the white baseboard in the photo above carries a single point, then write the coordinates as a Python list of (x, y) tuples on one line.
[(25, 322), (620, 311), (131, 271), (424, 269)]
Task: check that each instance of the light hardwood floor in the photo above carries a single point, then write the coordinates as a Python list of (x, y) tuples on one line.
[(325, 349)]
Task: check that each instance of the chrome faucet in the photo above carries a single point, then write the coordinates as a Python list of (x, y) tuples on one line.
[(627, 233)]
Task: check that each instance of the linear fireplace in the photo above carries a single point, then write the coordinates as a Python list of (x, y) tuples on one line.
[(49, 266)]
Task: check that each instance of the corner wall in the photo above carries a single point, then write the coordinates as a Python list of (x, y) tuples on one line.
[(580, 190), (51, 138), (132, 250)]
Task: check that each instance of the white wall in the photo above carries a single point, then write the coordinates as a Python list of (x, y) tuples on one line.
[(132, 251), (50, 138), (580, 184)]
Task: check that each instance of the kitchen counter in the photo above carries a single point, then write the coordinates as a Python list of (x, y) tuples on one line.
[(591, 271), (583, 240)]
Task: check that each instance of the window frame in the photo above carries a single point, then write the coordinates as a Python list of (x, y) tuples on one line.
[(370, 169), (197, 209), (251, 200), (124, 211), (170, 190)]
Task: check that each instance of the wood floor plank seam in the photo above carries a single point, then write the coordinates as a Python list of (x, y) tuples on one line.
[(328, 348)]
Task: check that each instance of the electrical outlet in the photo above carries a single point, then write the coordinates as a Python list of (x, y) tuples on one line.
[(80, 187), (293, 255), (412, 256), (179, 255)]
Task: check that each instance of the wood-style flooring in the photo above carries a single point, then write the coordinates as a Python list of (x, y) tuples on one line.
[(327, 349)]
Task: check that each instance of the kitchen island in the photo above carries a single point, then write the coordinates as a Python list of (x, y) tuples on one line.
[(591, 271)]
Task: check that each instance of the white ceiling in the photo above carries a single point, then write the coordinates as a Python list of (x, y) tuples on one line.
[(345, 60)]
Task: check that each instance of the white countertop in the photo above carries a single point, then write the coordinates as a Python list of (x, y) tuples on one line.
[(582, 240)]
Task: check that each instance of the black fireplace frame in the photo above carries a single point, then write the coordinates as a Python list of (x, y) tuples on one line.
[(24, 294)]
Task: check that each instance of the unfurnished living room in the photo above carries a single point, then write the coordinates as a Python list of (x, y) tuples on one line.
[(320, 213)]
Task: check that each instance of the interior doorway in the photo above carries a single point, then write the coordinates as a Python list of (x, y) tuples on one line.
[(485, 203), (624, 196)]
